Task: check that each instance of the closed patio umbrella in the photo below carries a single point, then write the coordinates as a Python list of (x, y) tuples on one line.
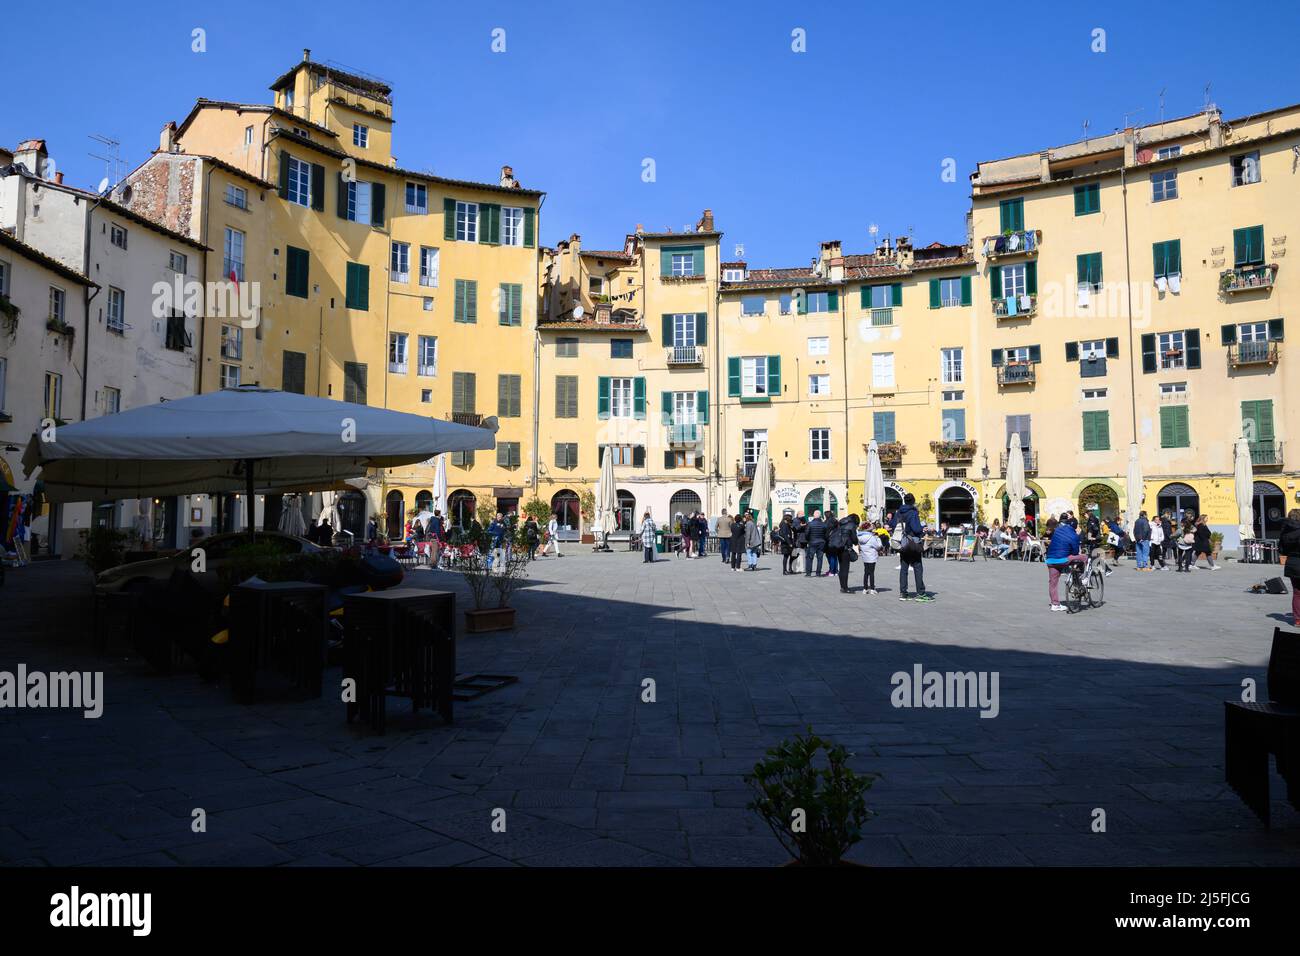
[(1243, 480), (1133, 484), (440, 486), (873, 497), (606, 498), (1016, 489), (761, 493), (245, 439), (291, 521)]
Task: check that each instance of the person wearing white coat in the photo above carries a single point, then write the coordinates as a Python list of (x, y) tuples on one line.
[(552, 536)]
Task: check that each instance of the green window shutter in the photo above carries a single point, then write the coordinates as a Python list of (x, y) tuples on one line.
[(503, 396), (1096, 431), (1158, 267), (471, 300), (998, 358), (484, 223), (774, 375), (1174, 256), (733, 377), (358, 287), (449, 219), (666, 406), (341, 196), (458, 308), (699, 261), (832, 301), (1035, 353), (864, 295), (516, 303), (363, 279), (602, 397), (317, 187), (1031, 277), (882, 427), (503, 304), (665, 262), (1239, 246), (802, 298), (670, 460), (1080, 200), (638, 397), (638, 456), (1264, 420), (284, 175), (1081, 268), (702, 407), (377, 200), (668, 328), (1184, 432), (1276, 329), (1167, 426), (1228, 334), (1087, 199), (296, 276), (896, 294), (965, 290), (1192, 342), (530, 228), (1149, 352), (701, 328), (1249, 420), (1255, 244), (1089, 426), (995, 282), (1012, 214), (934, 294)]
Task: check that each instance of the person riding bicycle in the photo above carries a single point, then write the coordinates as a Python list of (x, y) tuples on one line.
[(1063, 549)]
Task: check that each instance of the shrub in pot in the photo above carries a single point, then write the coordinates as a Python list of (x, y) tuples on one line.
[(810, 799)]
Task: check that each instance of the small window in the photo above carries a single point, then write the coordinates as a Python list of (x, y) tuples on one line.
[(360, 135), (566, 347), (58, 301), (177, 262), (753, 371), (232, 342), (954, 395), (248, 136), (399, 266), (785, 302), (819, 441), (733, 275), (819, 385), (1164, 185), (620, 348), (753, 305), (229, 376), (427, 357), (1173, 390), (1172, 349), (1087, 199), (112, 400), (596, 285), (950, 292), (429, 265), (117, 236), (1245, 168), (116, 311), (397, 355), (467, 221), (512, 226), (1093, 394), (426, 396), (299, 189), (819, 345), (237, 196), (1169, 152), (417, 199)]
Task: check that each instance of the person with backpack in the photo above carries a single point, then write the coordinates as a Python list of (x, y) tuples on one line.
[(911, 549), (844, 542), (785, 539), (1288, 545), (816, 544), (1062, 549), (869, 548), (1186, 540), (737, 540), (832, 557)]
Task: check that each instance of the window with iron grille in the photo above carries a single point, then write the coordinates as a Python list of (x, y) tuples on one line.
[(953, 473), (116, 311)]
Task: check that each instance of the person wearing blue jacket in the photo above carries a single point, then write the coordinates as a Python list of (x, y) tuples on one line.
[(1063, 546), (910, 554)]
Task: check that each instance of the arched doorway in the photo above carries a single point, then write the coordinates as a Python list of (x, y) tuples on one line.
[(1179, 500), (568, 514), (625, 516), (424, 502), (1101, 500), (893, 500), (394, 514), (819, 499), (956, 506), (744, 507), (352, 514), (683, 503), (461, 504), (1032, 505), (1269, 503)]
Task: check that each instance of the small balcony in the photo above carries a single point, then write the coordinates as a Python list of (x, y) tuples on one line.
[(882, 317), (1015, 307), (466, 418), (946, 451), (1247, 278), (1017, 373), (1266, 454), (1030, 459), (1025, 242), (745, 472), (891, 452), (678, 355), (1245, 354), (687, 434)]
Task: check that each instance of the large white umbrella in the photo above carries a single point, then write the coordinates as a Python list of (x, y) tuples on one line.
[(243, 439), (291, 521), (1133, 484), (440, 486), (1016, 489), (1244, 480), (761, 493), (873, 496), (606, 496)]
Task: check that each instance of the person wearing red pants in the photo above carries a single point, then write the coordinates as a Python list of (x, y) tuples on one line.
[(1288, 545)]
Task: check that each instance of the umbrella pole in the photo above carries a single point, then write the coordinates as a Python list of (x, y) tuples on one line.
[(252, 508)]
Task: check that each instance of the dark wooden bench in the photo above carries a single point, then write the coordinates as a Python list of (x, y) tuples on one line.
[(1253, 731), (278, 627)]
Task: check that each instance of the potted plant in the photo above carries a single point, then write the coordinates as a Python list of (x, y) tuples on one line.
[(810, 799), (102, 548), (9, 315), (1216, 543), (587, 511), (486, 575)]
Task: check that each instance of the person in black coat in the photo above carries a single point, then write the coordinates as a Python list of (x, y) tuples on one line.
[(817, 532), (737, 540), (1203, 547), (785, 537), (848, 529), (1288, 545)]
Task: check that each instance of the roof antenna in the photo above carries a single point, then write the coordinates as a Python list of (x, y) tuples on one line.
[(112, 162), (1162, 106), (1209, 103), (1086, 124), (1131, 113)]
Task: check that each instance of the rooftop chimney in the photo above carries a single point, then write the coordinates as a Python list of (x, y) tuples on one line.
[(706, 222), (508, 178), (306, 55), (31, 155), (167, 138), (58, 177)]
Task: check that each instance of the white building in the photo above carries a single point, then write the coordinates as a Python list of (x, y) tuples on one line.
[(138, 344)]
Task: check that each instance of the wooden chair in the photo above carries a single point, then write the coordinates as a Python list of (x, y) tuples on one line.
[(1253, 731)]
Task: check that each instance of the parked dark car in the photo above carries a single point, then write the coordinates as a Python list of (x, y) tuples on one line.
[(148, 575)]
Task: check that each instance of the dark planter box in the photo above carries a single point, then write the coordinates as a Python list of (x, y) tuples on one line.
[(490, 619)]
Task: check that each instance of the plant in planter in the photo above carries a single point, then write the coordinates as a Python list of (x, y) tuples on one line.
[(485, 512), (485, 575), (587, 511), (9, 315), (810, 799), (538, 510), (924, 507), (102, 548), (1216, 542)]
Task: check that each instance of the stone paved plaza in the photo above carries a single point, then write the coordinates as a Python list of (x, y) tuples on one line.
[(1118, 708)]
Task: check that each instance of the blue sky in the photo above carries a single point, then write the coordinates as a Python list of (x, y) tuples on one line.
[(787, 148)]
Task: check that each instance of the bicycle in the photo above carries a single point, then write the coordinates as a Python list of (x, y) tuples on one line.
[(1086, 586)]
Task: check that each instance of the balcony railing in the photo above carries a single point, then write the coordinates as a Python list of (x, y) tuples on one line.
[(1247, 278), (686, 434), (1015, 307), (397, 368), (1022, 243), (745, 471), (1030, 459), (466, 418), (1252, 353), (882, 316), (891, 452), (953, 450), (685, 354), (1266, 454), (1018, 373)]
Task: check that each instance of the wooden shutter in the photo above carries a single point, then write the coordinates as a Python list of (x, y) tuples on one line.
[(284, 175), (1182, 427), (293, 372), (864, 295), (377, 198), (1167, 426), (701, 328), (668, 328), (530, 228), (1035, 353), (1228, 334), (965, 290), (1192, 344), (957, 430), (934, 294), (832, 301), (341, 196), (666, 407), (638, 456), (1149, 352), (998, 358), (774, 375), (638, 397), (702, 407), (665, 261), (1276, 328), (296, 273), (1072, 351), (602, 397), (896, 294), (1012, 214), (699, 260), (449, 219), (317, 187), (995, 282), (516, 303), (733, 377), (1096, 431), (1264, 420), (670, 459), (1031, 277), (1112, 348)]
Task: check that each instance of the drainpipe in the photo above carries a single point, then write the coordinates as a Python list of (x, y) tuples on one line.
[(90, 296), (844, 361), (537, 346), (1128, 279)]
